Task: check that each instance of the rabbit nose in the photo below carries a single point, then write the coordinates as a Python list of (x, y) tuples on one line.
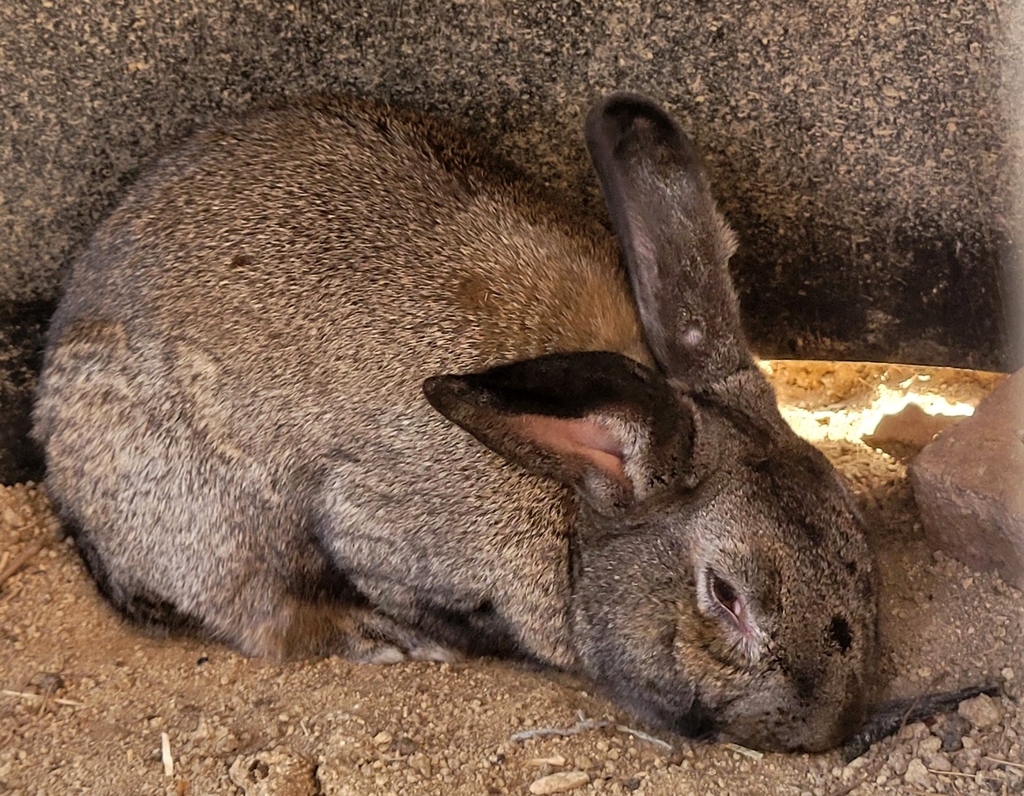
[(840, 633), (698, 722), (843, 720), (850, 719)]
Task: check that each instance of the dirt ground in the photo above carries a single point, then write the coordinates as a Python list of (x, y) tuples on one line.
[(89, 704)]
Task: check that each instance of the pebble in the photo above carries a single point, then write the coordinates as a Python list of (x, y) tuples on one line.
[(897, 763), (952, 732), (917, 774), (559, 783), (939, 762), (981, 712), (557, 761), (912, 732), (382, 738)]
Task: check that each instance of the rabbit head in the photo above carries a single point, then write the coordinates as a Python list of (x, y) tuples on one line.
[(720, 577)]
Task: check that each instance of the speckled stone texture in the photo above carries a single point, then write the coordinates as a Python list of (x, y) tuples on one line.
[(969, 485), (862, 149)]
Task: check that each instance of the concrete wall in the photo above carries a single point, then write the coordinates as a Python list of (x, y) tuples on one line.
[(862, 149)]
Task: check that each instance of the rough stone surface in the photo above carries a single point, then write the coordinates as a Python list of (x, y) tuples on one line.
[(969, 485), (911, 427), (863, 150), (982, 711), (561, 782), (917, 774)]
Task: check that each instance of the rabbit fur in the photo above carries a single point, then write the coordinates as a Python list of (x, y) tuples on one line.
[(333, 380)]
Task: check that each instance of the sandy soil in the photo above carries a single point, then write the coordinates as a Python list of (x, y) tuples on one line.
[(89, 704)]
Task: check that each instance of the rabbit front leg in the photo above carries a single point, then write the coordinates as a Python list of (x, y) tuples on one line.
[(301, 629)]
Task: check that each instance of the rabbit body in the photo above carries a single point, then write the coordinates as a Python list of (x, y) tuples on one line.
[(250, 434)]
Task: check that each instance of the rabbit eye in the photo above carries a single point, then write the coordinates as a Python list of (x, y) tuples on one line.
[(725, 594), (736, 610)]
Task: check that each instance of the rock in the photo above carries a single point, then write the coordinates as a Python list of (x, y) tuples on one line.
[(981, 712), (929, 746), (939, 762), (913, 732), (557, 761), (917, 774), (911, 427), (969, 485), (954, 728), (274, 772), (897, 763), (559, 783)]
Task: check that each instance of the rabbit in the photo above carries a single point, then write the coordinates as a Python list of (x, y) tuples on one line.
[(334, 380)]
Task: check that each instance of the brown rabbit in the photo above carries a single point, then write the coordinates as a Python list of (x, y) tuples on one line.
[(237, 436)]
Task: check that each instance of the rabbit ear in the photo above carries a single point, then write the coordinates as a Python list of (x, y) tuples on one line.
[(675, 243), (595, 420)]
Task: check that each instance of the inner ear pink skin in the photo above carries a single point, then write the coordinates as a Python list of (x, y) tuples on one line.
[(725, 595), (578, 438), (744, 622)]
